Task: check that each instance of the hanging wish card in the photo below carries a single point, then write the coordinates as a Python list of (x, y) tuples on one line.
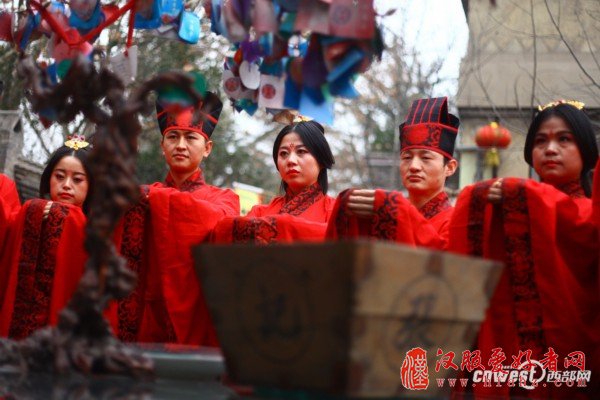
[(288, 5), (263, 16), (125, 65), (170, 10), (250, 75), (147, 14), (271, 92), (231, 85), (84, 9), (189, 27), (6, 21), (313, 15), (236, 32), (351, 18)]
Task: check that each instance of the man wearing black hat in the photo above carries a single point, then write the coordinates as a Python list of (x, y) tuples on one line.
[(426, 146), (168, 304)]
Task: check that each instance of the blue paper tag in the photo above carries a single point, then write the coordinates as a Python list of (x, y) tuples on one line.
[(288, 5), (343, 86), (313, 104), (287, 23), (292, 95), (352, 58), (87, 25), (274, 68), (266, 44), (170, 10), (52, 74), (33, 21), (217, 20), (151, 22), (189, 27)]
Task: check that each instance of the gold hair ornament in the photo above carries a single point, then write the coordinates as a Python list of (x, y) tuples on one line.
[(76, 142), (577, 104), (301, 118), (289, 117)]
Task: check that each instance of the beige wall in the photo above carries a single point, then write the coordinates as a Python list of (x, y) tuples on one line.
[(497, 74)]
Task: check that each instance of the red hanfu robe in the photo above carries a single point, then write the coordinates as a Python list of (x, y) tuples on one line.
[(9, 205), (156, 239), (285, 219), (43, 267), (547, 295), (596, 202), (395, 219)]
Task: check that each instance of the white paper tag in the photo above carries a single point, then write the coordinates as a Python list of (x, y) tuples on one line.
[(250, 75), (125, 66), (164, 28), (271, 92), (231, 85)]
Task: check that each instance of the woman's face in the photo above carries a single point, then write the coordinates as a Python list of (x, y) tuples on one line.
[(296, 165), (69, 182), (555, 155)]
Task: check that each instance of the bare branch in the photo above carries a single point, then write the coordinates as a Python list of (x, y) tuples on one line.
[(581, 67)]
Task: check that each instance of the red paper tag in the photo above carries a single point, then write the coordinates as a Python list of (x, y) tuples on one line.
[(263, 17), (6, 26), (313, 15), (352, 18)]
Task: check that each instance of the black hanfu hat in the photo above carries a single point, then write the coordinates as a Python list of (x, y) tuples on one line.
[(430, 126), (173, 117)]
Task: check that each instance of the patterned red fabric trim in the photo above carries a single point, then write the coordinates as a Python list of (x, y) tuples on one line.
[(476, 217), (573, 189), (385, 223), (130, 309), (255, 230), (296, 205), (421, 135), (342, 219), (436, 205), (191, 184), (36, 268), (520, 267)]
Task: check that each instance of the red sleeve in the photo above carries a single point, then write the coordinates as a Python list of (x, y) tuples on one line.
[(9, 198), (9, 206), (45, 264), (596, 194), (395, 219), (264, 224), (278, 228), (180, 220)]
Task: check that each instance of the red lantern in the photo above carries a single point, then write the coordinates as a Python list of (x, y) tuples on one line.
[(493, 135)]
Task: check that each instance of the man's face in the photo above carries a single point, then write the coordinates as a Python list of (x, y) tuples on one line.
[(423, 171), (184, 150)]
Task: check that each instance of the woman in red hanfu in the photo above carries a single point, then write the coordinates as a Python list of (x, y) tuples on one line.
[(157, 235), (302, 156), (427, 140), (546, 304), (45, 257)]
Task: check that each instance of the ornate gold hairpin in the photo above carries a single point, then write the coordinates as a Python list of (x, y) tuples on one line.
[(289, 117), (76, 142), (301, 118), (577, 104)]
